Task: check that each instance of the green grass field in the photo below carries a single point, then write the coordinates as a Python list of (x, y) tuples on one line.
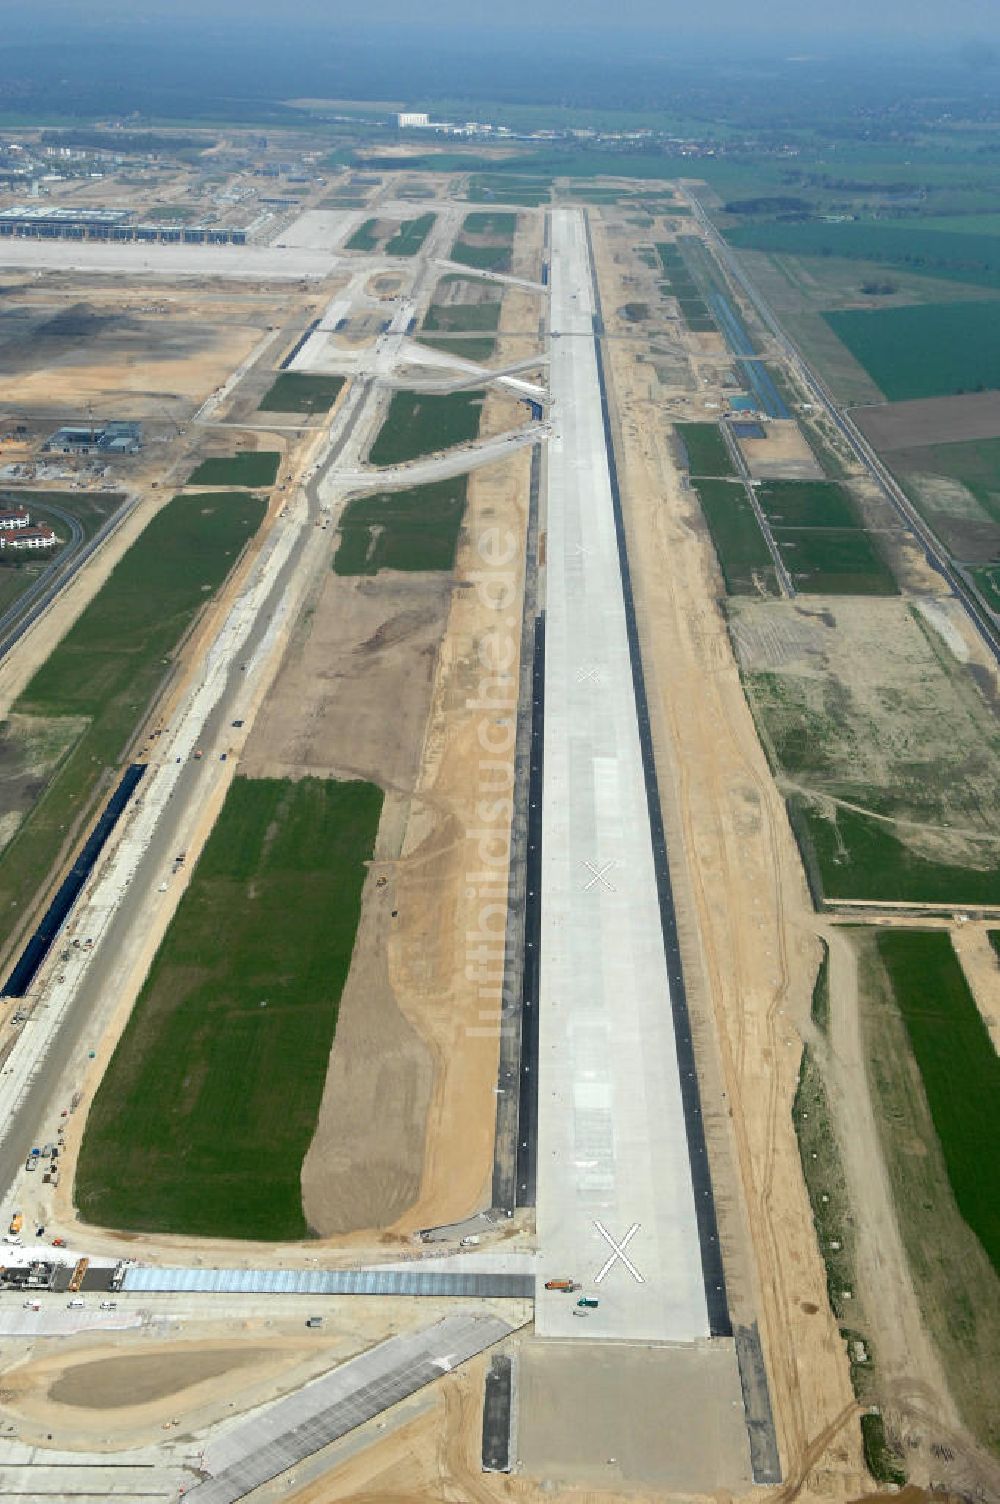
[(960, 1070), (483, 258), (462, 318), (302, 392), (496, 224), (419, 424), (743, 555), (859, 857), (834, 561), (927, 350), (108, 667), (413, 530), (208, 1106), (252, 468), (807, 503), (410, 236), (705, 449), (364, 237), (480, 350), (528, 192)]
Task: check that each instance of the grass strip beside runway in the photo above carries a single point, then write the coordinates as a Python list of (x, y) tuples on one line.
[(210, 1101)]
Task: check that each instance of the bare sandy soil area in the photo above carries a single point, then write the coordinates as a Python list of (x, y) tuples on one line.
[(783, 454), (405, 1134), (747, 931)]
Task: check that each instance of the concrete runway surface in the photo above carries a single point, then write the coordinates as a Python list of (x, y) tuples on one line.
[(615, 1199)]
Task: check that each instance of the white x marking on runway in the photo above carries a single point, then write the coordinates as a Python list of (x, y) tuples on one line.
[(598, 875), (619, 1253), (589, 675)]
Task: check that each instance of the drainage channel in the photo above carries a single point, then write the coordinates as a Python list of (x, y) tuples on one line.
[(40, 944)]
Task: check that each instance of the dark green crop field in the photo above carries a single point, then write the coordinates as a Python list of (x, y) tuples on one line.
[(494, 224), (705, 449), (302, 392), (101, 677), (252, 468), (834, 561), (924, 350), (934, 253), (744, 557), (806, 503), (413, 530), (419, 424), (210, 1101), (960, 1070)]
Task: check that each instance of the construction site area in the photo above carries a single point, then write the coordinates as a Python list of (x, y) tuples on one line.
[(484, 779)]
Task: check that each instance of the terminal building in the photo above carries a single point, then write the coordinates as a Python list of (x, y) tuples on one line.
[(43, 222)]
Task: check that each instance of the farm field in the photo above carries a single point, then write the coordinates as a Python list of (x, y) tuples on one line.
[(415, 529), (932, 1071), (931, 420), (252, 468), (210, 1101), (928, 350), (419, 424), (705, 449), (885, 750), (88, 698), (743, 555), (956, 257), (956, 487), (302, 392)]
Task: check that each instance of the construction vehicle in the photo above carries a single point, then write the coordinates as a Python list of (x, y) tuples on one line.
[(16, 1222), (587, 1304), (561, 1284)]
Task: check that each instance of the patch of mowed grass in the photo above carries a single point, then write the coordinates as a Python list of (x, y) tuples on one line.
[(851, 855), (924, 350), (416, 529), (364, 238), (251, 468), (743, 555), (834, 561), (494, 224), (483, 258), (705, 449), (959, 1067), (111, 662), (478, 350), (419, 424), (302, 392), (410, 236), (807, 503), (209, 1104), (462, 318)]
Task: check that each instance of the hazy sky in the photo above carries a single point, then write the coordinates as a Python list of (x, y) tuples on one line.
[(835, 21)]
